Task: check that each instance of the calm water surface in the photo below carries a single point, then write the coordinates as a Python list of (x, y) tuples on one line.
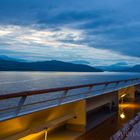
[(22, 81)]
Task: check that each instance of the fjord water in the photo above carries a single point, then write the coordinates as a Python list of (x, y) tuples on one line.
[(11, 82)]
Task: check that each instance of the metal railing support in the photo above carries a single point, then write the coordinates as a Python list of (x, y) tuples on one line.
[(20, 104)]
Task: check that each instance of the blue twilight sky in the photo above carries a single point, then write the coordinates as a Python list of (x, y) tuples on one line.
[(101, 32)]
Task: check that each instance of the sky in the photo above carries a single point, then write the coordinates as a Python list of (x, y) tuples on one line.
[(99, 32)]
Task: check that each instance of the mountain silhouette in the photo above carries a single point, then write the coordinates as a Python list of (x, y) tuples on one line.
[(11, 65)]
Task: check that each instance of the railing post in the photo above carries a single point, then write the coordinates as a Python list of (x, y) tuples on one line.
[(64, 94), (132, 82), (116, 84), (105, 87), (89, 91), (46, 133), (20, 104)]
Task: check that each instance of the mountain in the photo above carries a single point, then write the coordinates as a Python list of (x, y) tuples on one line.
[(118, 67), (135, 68), (11, 65)]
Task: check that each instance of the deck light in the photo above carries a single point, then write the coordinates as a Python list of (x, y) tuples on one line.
[(122, 115), (123, 95)]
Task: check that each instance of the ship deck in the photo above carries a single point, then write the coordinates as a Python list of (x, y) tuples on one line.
[(74, 113), (106, 129)]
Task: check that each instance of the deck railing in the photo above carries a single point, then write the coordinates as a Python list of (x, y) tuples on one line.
[(22, 103)]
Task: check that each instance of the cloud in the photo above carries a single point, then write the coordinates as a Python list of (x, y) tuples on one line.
[(35, 44), (60, 29)]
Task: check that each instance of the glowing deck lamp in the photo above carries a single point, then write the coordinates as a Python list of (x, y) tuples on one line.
[(122, 115), (123, 95)]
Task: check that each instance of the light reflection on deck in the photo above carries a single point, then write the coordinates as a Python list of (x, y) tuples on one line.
[(111, 125)]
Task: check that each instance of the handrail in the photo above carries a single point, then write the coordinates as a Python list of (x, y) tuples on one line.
[(44, 91), (21, 107)]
